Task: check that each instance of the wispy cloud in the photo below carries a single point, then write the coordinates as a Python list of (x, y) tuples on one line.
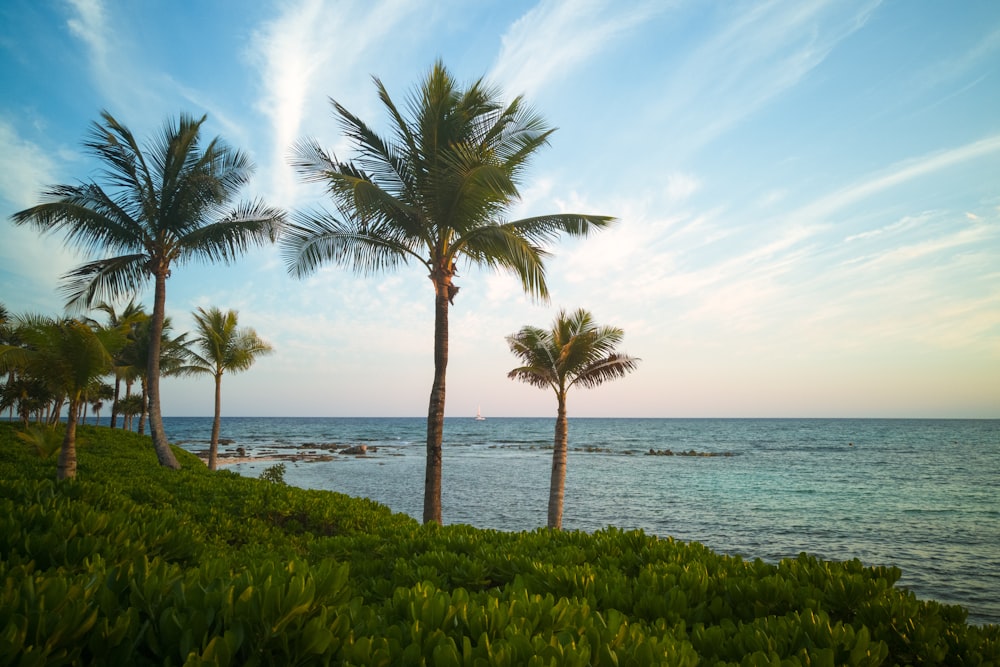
[(755, 56), (557, 36), (306, 55), (25, 167), (90, 26), (897, 175)]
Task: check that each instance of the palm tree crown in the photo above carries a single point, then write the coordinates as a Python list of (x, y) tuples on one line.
[(435, 190), (160, 207), (575, 351)]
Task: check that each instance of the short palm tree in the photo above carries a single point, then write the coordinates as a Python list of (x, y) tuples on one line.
[(68, 355), (161, 206), (574, 352), (224, 346), (435, 191)]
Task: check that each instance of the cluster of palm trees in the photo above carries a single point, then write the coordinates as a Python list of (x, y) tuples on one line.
[(435, 191), (50, 363)]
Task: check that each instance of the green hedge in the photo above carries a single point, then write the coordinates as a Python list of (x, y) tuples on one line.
[(132, 563)]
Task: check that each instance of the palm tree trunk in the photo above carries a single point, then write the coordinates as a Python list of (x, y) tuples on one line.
[(114, 405), (66, 466), (160, 444), (213, 449), (142, 415), (557, 487), (435, 409)]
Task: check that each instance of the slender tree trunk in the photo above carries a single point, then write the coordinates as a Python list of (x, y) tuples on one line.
[(66, 466), (160, 444), (114, 406), (557, 487), (213, 449), (142, 414), (435, 409)]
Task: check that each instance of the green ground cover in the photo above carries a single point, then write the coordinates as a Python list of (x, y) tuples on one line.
[(134, 564)]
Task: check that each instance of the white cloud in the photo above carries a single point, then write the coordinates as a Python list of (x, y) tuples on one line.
[(556, 36), (759, 54), (896, 175), (25, 167), (91, 27), (681, 186), (308, 54)]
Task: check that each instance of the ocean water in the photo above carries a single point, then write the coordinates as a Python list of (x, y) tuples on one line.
[(923, 495)]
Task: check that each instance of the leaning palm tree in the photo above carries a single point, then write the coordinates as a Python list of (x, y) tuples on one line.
[(162, 206), (574, 352), (435, 191), (224, 346), (69, 356)]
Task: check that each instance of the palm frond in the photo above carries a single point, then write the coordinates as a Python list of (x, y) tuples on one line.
[(105, 279), (314, 238), (250, 224)]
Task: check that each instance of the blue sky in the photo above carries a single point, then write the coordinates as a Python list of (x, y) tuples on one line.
[(808, 193)]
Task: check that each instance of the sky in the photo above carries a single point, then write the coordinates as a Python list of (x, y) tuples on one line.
[(807, 194)]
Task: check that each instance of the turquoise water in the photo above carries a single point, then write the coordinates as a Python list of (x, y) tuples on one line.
[(923, 495)]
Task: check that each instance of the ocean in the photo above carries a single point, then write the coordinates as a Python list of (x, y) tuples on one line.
[(922, 495)]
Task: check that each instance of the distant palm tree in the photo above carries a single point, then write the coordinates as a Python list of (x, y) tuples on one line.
[(162, 206), (575, 351), (103, 392), (130, 406), (68, 355), (435, 191), (224, 347), (130, 317), (135, 353)]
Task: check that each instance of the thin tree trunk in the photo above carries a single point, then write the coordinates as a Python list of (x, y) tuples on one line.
[(66, 466), (114, 406), (557, 487), (435, 409), (142, 414), (213, 449), (160, 444)]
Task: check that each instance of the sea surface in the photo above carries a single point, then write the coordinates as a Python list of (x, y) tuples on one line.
[(922, 495)]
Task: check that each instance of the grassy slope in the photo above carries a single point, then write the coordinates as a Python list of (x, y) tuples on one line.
[(135, 564)]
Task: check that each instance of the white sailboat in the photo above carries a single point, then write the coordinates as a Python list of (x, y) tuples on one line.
[(479, 415)]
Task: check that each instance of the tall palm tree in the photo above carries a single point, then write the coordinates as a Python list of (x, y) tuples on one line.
[(574, 352), (161, 206), (224, 346), (435, 191), (69, 355)]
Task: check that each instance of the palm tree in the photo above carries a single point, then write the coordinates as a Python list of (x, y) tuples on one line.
[(101, 393), (163, 206), (133, 359), (224, 347), (575, 351), (434, 191), (69, 356), (129, 318)]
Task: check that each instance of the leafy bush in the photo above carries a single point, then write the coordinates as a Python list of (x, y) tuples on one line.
[(275, 473), (132, 563)]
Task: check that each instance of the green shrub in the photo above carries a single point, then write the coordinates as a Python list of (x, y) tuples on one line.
[(136, 564)]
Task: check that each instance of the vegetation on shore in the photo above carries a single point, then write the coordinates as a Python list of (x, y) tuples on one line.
[(134, 563)]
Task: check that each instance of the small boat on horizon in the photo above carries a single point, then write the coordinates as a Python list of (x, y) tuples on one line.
[(479, 415)]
